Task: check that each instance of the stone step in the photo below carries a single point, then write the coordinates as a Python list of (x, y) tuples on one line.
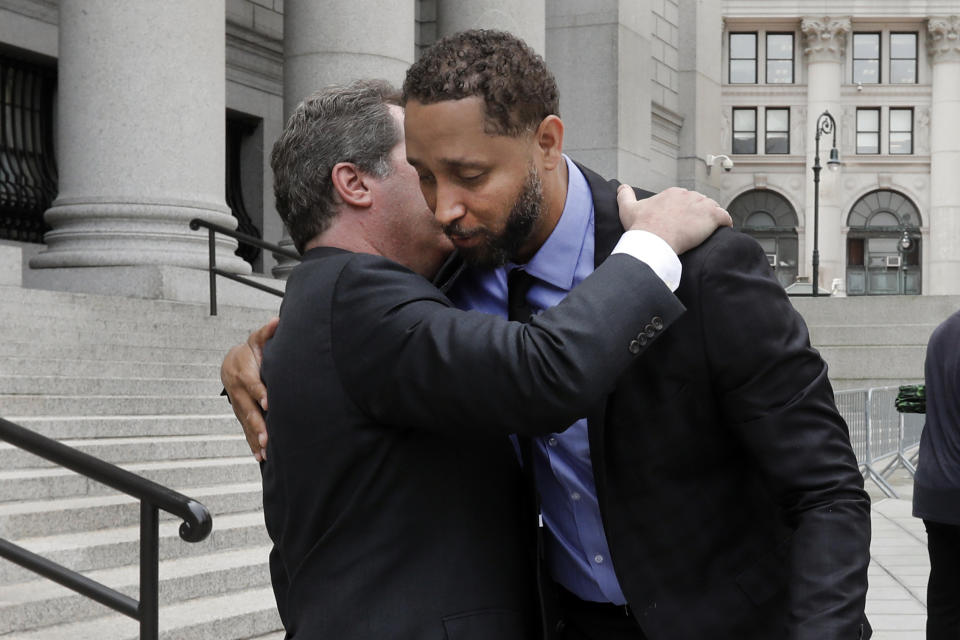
[(111, 352), (899, 364), (122, 426), (172, 336), (39, 405), (135, 449), (41, 484), (119, 546), (871, 335), (32, 518), (42, 603), (133, 321), (234, 616), (875, 310), (53, 302), (106, 368), (103, 386)]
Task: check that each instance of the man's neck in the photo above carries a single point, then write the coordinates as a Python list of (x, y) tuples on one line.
[(342, 235), (554, 184)]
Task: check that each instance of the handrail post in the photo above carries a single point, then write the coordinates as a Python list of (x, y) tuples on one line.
[(213, 273), (149, 571)]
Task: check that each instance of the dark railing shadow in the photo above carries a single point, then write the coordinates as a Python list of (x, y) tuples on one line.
[(196, 526), (214, 271)]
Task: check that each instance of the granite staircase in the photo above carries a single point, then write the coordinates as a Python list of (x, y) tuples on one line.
[(134, 382)]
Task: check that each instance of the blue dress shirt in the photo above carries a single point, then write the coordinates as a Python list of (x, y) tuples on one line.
[(576, 545)]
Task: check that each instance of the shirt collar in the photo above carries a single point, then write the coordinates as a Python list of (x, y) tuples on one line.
[(557, 259)]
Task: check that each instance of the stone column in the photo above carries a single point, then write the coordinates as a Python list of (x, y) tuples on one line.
[(824, 46), (605, 91), (337, 41), (141, 112), (699, 83), (523, 18), (942, 252)]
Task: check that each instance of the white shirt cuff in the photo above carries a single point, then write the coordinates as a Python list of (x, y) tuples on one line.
[(655, 252)]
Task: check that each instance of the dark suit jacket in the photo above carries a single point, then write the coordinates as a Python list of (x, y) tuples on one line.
[(391, 491), (936, 492), (731, 498)]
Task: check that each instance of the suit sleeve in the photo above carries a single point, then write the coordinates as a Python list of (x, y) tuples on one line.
[(774, 393), (408, 358)]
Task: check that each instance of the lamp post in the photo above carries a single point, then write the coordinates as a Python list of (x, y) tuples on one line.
[(904, 244), (825, 124)]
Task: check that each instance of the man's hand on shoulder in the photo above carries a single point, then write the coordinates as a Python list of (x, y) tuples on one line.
[(682, 218), (240, 375)]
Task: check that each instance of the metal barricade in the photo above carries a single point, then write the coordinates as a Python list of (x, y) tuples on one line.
[(869, 424), (911, 426)]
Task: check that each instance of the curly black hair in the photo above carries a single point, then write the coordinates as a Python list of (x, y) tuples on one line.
[(517, 88)]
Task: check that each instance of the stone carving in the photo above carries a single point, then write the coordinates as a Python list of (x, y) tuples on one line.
[(798, 134), (725, 146), (825, 39), (923, 130), (944, 40), (848, 130)]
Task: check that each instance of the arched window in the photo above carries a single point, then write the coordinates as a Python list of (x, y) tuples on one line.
[(769, 218), (883, 245)]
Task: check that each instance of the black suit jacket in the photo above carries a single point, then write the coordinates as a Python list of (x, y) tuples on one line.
[(730, 495), (391, 491)]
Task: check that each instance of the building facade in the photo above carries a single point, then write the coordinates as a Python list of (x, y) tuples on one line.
[(123, 120)]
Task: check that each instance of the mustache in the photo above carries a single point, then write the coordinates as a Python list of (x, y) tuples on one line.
[(454, 230)]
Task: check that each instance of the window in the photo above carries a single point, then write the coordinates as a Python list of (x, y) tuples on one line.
[(868, 131), (779, 58), (903, 58), (777, 131), (901, 131), (866, 58), (745, 130), (772, 221), (743, 58)]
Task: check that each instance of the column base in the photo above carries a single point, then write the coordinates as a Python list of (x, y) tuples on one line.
[(111, 232), (154, 282)]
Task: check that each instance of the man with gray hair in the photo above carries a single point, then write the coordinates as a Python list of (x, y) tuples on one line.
[(403, 519)]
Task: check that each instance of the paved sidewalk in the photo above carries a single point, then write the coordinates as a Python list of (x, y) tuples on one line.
[(899, 566)]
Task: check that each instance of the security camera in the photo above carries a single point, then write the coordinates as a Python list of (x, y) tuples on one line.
[(725, 162)]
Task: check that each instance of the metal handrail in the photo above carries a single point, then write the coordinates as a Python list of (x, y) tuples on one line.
[(195, 527), (214, 271)]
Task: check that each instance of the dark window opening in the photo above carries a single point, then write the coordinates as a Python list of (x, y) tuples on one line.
[(239, 128), (28, 172)]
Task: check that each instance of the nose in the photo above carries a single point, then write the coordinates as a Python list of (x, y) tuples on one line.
[(449, 206)]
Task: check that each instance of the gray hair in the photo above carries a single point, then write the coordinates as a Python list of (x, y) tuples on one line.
[(341, 123)]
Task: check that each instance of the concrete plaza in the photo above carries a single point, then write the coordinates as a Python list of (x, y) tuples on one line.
[(899, 565)]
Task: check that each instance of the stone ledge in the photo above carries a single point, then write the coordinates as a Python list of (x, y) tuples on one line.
[(154, 282)]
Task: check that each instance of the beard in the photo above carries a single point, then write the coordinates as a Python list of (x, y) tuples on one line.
[(496, 249)]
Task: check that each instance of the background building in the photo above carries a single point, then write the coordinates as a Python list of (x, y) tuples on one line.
[(124, 120)]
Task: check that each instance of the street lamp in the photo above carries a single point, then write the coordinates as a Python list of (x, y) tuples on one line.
[(825, 124)]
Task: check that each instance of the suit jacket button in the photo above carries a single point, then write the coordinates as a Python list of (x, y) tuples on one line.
[(643, 340), (649, 331), (657, 323), (634, 347)]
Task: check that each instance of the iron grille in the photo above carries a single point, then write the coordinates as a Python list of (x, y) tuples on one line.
[(28, 172)]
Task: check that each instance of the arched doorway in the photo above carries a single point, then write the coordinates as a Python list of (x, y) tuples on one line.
[(768, 217), (883, 245)]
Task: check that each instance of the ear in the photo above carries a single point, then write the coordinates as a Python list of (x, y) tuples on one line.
[(350, 185), (549, 139)]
